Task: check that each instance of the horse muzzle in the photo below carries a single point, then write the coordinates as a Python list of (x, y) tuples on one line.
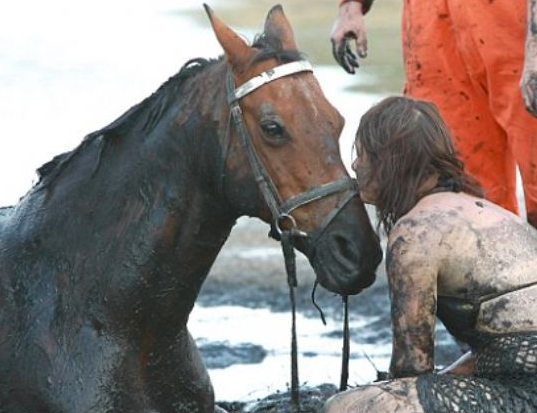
[(342, 266)]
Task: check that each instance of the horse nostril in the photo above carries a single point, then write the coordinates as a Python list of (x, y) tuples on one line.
[(343, 248)]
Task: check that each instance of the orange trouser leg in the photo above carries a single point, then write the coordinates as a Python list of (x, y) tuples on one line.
[(436, 71), (492, 35)]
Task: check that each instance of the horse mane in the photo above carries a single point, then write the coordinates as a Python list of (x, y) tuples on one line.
[(156, 105), (153, 107)]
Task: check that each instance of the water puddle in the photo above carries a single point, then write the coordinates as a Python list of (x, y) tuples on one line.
[(319, 355)]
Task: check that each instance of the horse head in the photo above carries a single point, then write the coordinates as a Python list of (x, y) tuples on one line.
[(281, 157)]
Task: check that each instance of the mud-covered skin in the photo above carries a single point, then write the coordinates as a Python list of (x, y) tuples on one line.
[(455, 245), (450, 245), (102, 261), (391, 396), (412, 283), (528, 83)]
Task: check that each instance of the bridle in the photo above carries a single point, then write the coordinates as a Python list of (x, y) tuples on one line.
[(281, 209)]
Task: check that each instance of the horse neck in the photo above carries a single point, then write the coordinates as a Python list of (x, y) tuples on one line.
[(143, 213), (195, 220)]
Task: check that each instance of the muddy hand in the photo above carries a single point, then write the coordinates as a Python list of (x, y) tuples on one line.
[(528, 86), (344, 55), (349, 28)]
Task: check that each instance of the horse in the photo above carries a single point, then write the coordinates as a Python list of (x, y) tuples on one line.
[(102, 260)]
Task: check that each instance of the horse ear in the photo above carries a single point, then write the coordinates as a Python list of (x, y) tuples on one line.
[(277, 25), (235, 48)]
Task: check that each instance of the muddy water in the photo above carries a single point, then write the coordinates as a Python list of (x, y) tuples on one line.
[(245, 301), (319, 350)]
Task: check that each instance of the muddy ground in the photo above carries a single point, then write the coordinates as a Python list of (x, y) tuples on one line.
[(249, 272), (311, 400)]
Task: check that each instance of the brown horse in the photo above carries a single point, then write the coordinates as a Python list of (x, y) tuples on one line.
[(102, 261)]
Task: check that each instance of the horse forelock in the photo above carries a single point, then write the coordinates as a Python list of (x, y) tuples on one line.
[(270, 47)]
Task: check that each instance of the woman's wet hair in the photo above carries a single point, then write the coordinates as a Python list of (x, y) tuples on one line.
[(406, 142)]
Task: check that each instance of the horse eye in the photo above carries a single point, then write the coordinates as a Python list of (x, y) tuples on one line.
[(272, 129)]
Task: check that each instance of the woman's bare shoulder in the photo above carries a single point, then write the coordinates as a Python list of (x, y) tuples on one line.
[(417, 236), (464, 207), (428, 220), (457, 226), (435, 227)]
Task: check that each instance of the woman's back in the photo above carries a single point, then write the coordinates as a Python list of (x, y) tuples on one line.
[(487, 259)]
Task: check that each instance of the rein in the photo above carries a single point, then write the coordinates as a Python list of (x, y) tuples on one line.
[(281, 209)]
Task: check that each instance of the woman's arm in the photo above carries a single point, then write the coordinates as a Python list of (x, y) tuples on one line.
[(412, 276), (528, 82)]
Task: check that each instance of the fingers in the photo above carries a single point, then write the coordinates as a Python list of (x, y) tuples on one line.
[(350, 58), (335, 53), (344, 55), (532, 99), (361, 44), (529, 93), (349, 27)]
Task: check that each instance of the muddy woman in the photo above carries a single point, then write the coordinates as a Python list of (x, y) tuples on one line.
[(453, 255)]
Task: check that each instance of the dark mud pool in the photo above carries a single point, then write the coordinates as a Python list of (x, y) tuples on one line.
[(242, 325), (312, 400)]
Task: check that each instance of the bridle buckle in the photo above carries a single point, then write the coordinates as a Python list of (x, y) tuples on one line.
[(294, 227)]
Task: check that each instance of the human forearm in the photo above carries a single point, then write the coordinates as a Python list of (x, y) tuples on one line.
[(412, 353), (366, 4), (528, 82), (412, 271), (532, 18), (531, 30)]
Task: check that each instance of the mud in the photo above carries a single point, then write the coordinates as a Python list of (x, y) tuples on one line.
[(219, 355), (312, 400), (254, 277)]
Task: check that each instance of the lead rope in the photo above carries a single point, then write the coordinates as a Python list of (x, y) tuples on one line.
[(321, 314), (281, 209), (344, 381), (290, 267)]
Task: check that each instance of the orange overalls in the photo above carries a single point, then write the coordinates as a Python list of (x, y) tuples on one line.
[(467, 56)]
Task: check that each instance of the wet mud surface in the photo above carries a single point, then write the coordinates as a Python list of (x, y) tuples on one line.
[(219, 355), (250, 273), (312, 400)]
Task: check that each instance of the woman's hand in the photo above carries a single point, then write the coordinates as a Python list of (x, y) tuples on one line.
[(349, 25)]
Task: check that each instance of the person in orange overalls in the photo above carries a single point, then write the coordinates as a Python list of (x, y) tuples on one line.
[(471, 58)]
